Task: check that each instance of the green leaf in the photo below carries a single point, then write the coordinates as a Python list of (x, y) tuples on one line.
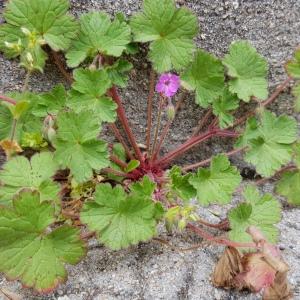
[(170, 31), (271, 146), (206, 77), (296, 93), (27, 122), (180, 184), (77, 146), (6, 121), (296, 154), (263, 212), (50, 103), (29, 252), (132, 165), (293, 66), (217, 184), (119, 151), (88, 92), (20, 108), (289, 186), (251, 132), (33, 140), (117, 73), (143, 188), (98, 35), (223, 107), (248, 71), (46, 19), (120, 219), (19, 173)]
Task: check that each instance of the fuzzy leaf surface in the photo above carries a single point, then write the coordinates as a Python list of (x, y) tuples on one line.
[(98, 35), (293, 66), (270, 144), (180, 184), (289, 186), (296, 93), (120, 219), (36, 173), (117, 73), (28, 252), (47, 19), (6, 121), (263, 212), (170, 31), (248, 71), (88, 92), (223, 107), (206, 77), (77, 146), (216, 184), (51, 102)]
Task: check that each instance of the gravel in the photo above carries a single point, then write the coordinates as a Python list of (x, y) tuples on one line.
[(152, 271)]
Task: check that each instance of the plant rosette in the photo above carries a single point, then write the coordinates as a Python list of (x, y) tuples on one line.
[(61, 175)]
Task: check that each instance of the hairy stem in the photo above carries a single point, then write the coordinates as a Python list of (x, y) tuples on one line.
[(280, 88), (114, 172), (223, 225), (118, 135), (8, 100), (149, 110), (193, 141), (160, 109), (125, 123), (26, 82), (118, 161), (13, 131), (167, 127), (207, 161), (221, 241), (202, 122), (61, 66), (279, 172)]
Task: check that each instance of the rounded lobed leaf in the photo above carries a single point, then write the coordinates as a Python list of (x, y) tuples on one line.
[(28, 252)]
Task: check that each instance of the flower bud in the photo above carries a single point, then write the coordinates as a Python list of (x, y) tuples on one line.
[(171, 111), (181, 224)]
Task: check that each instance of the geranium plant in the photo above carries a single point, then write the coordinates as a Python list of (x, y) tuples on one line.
[(62, 183)]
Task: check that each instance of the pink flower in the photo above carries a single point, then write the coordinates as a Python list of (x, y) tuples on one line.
[(168, 84)]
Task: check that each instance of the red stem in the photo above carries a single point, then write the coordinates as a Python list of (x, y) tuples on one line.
[(207, 161), (149, 109), (167, 128), (221, 241), (118, 135), (125, 123), (114, 172), (118, 161), (8, 100), (273, 97), (193, 141), (60, 64), (222, 225), (202, 122), (160, 109)]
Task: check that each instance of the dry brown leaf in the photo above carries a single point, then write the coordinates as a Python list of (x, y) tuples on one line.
[(227, 268), (280, 289), (257, 274), (261, 270), (10, 147)]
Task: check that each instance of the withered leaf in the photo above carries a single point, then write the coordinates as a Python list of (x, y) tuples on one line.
[(227, 268)]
